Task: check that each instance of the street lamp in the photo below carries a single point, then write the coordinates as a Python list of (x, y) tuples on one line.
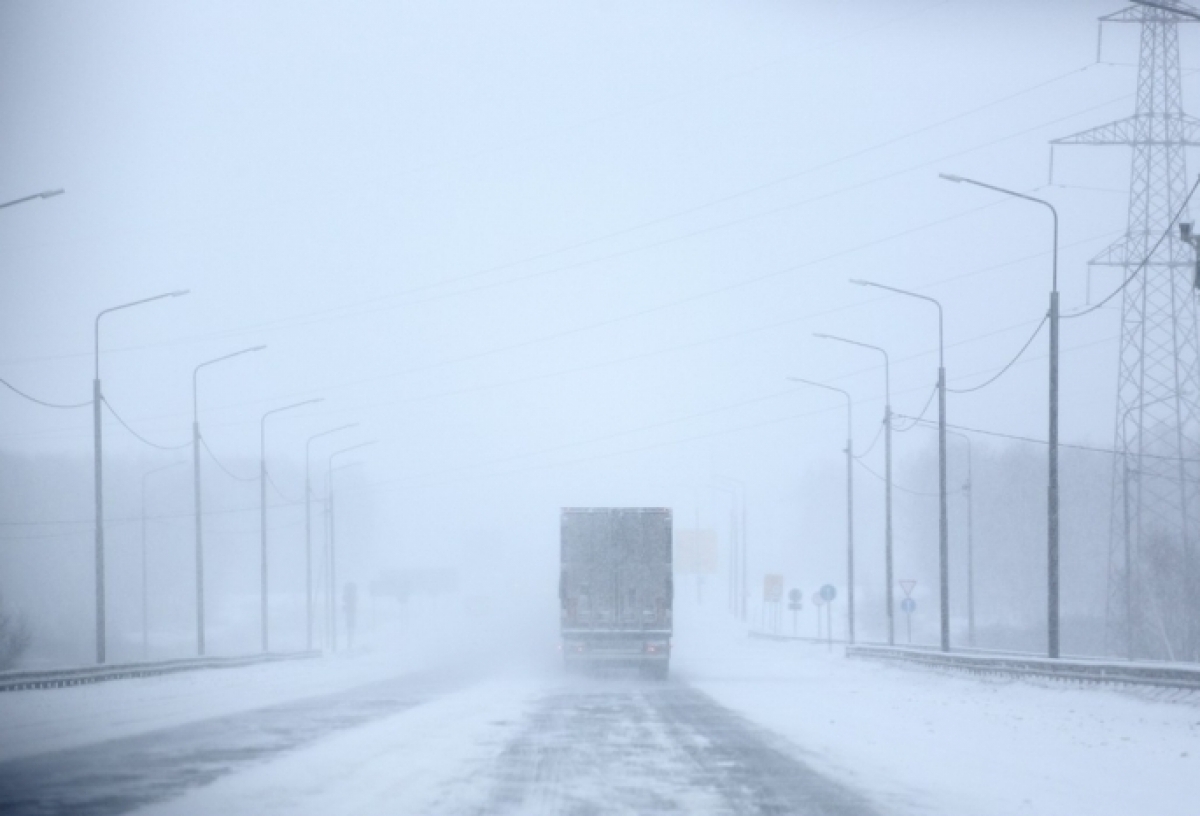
[(332, 574), (196, 491), (887, 447), (943, 514), (849, 494), (262, 485), (145, 593), (308, 525), (46, 194), (744, 555), (97, 398), (1052, 489)]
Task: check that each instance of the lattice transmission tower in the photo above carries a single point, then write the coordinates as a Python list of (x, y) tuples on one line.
[(1155, 510)]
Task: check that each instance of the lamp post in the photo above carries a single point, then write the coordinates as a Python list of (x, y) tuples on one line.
[(849, 495), (262, 485), (308, 527), (744, 558), (331, 599), (196, 491), (887, 448), (97, 398), (46, 194), (145, 592), (943, 514), (1052, 519)]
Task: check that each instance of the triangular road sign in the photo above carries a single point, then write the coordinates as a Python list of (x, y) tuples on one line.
[(907, 586)]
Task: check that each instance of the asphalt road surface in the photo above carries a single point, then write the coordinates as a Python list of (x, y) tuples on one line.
[(582, 746)]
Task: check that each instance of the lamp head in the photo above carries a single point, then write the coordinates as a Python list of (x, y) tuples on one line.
[(181, 292), (1185, 231), (51, 193), (951, 177)]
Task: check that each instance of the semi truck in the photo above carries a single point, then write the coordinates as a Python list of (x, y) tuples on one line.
[(616, 589)]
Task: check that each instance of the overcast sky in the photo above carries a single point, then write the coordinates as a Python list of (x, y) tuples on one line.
[(553, 253)]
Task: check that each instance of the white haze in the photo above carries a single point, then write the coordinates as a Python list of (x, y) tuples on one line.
[(547, 254)]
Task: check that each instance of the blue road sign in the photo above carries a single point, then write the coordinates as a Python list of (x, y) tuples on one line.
[(828, 592), (908, 605), (795, 595)]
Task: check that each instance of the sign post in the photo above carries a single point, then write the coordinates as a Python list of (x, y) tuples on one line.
[(772, 595), (818, 602), (794, 598), (908, 605), (829, 593)]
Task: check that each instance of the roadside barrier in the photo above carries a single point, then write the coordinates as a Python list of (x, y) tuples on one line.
[(1173, 676), (60, 678)]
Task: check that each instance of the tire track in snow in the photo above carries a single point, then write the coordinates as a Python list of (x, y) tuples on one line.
[(617, 747), (122, 774)]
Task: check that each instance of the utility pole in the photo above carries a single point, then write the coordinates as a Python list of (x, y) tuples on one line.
[(262, 486), (196, 495), (332, 599), (887, 446), (849, 501), (1052, 514), (1159, 349), (98, 447), (943, 509), (308, 565)]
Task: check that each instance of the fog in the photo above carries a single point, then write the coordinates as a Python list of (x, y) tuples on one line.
[(487, 261)]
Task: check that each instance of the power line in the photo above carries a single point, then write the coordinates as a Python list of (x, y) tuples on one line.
[(874, 441), (1032, 440), (1007, 366), (928, 402), (21, 393), (280, 493), (143, 439), (341, 312), (228, 472), (896, 486), (1146, 260)]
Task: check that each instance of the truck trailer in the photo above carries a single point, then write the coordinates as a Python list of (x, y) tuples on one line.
[(615, 588)]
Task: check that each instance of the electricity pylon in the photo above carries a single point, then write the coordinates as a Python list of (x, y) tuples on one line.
[(1154, 511)]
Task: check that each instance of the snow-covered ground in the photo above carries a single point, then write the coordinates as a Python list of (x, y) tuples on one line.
[(523, 739), (921, 741)]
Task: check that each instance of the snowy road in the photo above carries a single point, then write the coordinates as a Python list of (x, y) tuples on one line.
[(744, 728), (625, 747), (118, 775), (579, 747)]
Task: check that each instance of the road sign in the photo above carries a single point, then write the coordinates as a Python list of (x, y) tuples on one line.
[(795, 606), (772, 588), (795, 595), (907, 586), (908, 606), (828, 592)]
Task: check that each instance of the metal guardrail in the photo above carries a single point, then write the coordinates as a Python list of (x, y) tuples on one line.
[(1172, 676), (59, 678), (759, 635)]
